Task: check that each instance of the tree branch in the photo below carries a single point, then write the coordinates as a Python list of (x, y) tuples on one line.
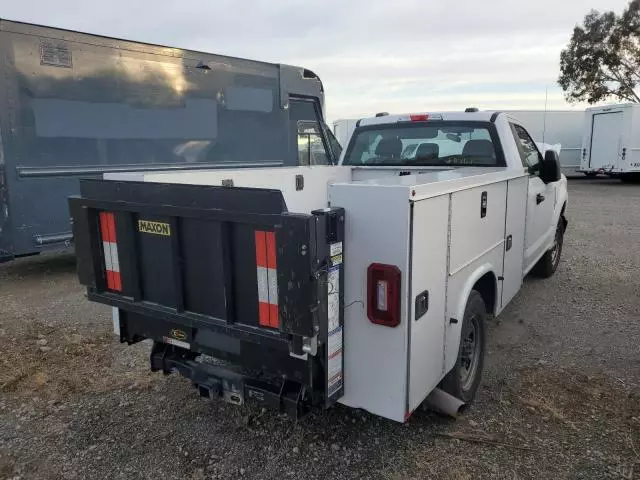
[(628, 88)]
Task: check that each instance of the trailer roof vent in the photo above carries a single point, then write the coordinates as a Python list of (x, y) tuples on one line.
[(471, 110), (382, 114)]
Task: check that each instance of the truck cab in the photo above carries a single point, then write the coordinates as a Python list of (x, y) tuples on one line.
[(442, 141)]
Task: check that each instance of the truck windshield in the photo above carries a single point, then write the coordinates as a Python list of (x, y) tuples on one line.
[(434, 144)]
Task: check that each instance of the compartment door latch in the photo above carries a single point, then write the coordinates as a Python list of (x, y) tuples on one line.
[(422, 304)]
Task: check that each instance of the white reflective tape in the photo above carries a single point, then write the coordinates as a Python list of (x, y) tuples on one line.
[(106, 248), (273, 286), (267, 285), (115, 262), (115, 316), (263, 285)]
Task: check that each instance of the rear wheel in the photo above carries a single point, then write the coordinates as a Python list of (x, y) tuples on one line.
[(464, 378), (548, 264)]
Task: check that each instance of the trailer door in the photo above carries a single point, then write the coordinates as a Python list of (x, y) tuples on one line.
[(605, 139)]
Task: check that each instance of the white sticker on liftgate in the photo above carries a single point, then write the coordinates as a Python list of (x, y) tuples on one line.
[(333, 298), (335, 251), (334, 354)]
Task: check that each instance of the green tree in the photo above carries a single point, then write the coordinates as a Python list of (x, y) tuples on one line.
[(602, 59)]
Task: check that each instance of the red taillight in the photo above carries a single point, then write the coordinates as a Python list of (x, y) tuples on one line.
[(383, 294), (419, 117)]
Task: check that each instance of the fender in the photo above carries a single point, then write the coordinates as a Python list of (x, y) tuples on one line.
[(457, 311), (562, 198)]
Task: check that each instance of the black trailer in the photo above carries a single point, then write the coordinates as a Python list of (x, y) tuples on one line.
[(238, 295), (78, 105)]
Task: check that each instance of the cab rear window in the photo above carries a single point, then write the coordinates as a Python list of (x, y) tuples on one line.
[(425, 144)]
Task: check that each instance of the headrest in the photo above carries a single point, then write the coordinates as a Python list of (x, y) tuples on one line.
[(478, 148), (427, 151), (389, 147)]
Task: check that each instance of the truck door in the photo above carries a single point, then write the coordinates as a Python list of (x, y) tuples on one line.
[(517, 200), (540, 200), (605, 139)]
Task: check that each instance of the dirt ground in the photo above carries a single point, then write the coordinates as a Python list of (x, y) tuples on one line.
[(560, 397)]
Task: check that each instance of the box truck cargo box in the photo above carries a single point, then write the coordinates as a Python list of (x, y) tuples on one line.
[(77, 105), (611, 141)]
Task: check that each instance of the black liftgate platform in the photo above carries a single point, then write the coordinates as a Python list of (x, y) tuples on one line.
[(238, 295)]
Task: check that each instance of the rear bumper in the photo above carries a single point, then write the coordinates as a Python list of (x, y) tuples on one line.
[(216, 382)]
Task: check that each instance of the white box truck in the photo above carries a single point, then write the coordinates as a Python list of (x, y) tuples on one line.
[(343, 128), (365, 283), (611, 141)]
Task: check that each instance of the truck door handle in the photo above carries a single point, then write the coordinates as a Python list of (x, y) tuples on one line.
[(539, 198)]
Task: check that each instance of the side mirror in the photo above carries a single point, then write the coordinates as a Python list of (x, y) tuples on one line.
[(550, 168)]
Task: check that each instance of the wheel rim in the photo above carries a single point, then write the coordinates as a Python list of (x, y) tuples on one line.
[(470, 354), (557, 246)]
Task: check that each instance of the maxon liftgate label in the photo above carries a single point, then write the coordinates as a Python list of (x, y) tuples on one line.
[(156, 228)]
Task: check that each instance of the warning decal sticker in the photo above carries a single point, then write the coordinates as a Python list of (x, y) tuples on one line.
[(334, 346), (334, 369)]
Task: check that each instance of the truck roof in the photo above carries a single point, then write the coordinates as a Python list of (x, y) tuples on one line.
[(25, 28), (615, 106), (484, 116)]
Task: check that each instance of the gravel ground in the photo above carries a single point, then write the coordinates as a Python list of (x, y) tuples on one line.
[(560, 397)]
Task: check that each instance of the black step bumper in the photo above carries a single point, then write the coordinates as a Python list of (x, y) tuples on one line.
[(215, 382)]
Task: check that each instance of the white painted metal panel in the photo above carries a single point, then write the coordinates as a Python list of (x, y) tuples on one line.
[(313, 196), (124, 176), (471, 234), (515, 228), (553, 127), (605, 139), (633, 142), (376, 230), (343, 129), (458, 288), (421, 185), (430, 228)]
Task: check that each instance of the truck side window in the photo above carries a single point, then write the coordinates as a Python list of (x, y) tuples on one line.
[(335, 145), (311, 150), (529, 153), (307, 134)]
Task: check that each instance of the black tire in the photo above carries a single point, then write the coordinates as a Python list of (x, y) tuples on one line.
[(549, 262), (464, 378), (591, 174)]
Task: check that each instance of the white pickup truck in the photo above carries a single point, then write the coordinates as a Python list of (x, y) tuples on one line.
[(365, 283)]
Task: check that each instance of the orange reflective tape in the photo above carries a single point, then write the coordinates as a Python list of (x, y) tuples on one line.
[(104, 226), (263, 314), (112, 227), (271, 250), (110, 282), (117, 281), (107, 227), (274, 319), (261, 248)]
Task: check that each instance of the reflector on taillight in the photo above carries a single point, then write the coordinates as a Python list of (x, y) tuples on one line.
[(383, 294)]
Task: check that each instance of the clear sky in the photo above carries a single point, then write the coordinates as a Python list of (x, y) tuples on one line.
[(392, 55)]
